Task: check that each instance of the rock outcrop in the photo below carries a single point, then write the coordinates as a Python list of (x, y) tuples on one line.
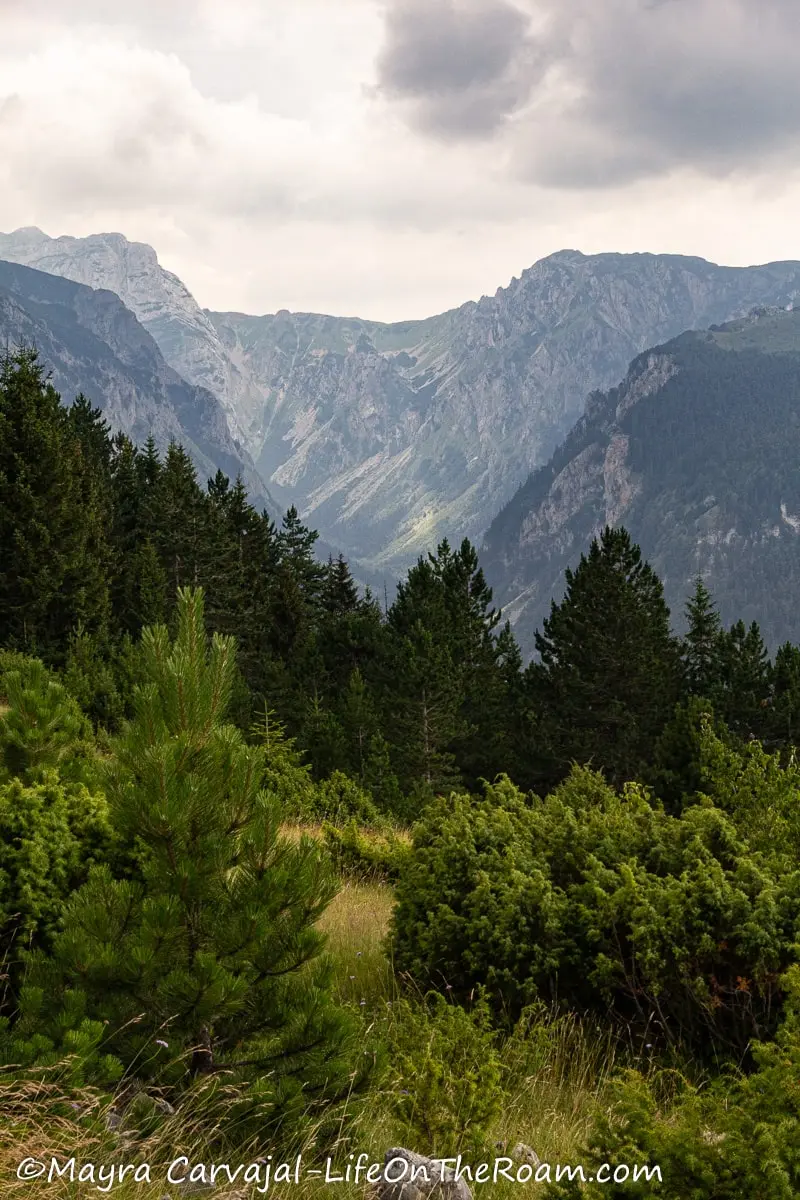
[(410, 1176)]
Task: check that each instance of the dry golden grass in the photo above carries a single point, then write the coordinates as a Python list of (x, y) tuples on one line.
[(356, 923)]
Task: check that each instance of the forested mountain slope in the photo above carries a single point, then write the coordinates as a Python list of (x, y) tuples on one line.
[(697, 453), (92, 343)]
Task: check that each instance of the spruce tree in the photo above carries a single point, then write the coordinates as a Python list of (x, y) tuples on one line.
[(483, 665), (296, 549), (175, 517), (702, 643), (784, 716), (359, 723), (239, 573), (446, 597), (744, 702), (425, 718), (339, 594), (608, 673)]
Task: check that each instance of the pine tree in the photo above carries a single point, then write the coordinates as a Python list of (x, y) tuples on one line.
[(43, 730), (609, 669), (784, 716), (208, 959)]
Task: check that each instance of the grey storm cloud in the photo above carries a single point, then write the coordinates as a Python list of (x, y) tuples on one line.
[(464, 65), (602, 93)]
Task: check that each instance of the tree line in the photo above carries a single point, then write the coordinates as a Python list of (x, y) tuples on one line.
[(428, 694)]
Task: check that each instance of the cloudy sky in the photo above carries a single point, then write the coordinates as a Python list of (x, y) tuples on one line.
[(392, 158)]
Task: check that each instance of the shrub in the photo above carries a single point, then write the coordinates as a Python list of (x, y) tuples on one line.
[(680, 760), (286, 776), (340, 800), (446, 1076), (738, 1136), (50, 835), (598, 900), (43, 727), (366, 855)]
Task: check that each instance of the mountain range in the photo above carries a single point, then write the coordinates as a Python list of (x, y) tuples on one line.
[(389, 437), (697, 453)]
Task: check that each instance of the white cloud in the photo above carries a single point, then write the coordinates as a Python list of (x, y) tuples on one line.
[(247, 142)]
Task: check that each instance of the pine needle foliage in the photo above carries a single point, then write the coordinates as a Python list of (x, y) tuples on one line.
[(206, 961)]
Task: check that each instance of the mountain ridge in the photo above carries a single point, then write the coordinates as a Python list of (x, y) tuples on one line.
[(91, 342), (389, 436)]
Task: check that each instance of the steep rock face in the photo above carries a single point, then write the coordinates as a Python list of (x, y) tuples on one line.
[(162, 303), (391, 436), (696, 453), (91, 342)]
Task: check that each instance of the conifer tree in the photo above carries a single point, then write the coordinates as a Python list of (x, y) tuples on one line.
[(784, 717), (702, 643), (446, 596), (323, 737), (677, 771), (296, 549), (339, 592), (53, 523), (350, 635), (359, 722), (425, 719), (745, 687), (178, 514), (484, 671), (381, 781), (609, 669), (208, 959), (239, 573)]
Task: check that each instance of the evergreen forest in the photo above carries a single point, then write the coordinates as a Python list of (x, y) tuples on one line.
[(287, 868)]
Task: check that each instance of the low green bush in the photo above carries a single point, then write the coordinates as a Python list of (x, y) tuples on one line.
[(598, 900), (50, 835), (445, 1076), (737, 1136), (363, 854), (340, 800), (42, 727)]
